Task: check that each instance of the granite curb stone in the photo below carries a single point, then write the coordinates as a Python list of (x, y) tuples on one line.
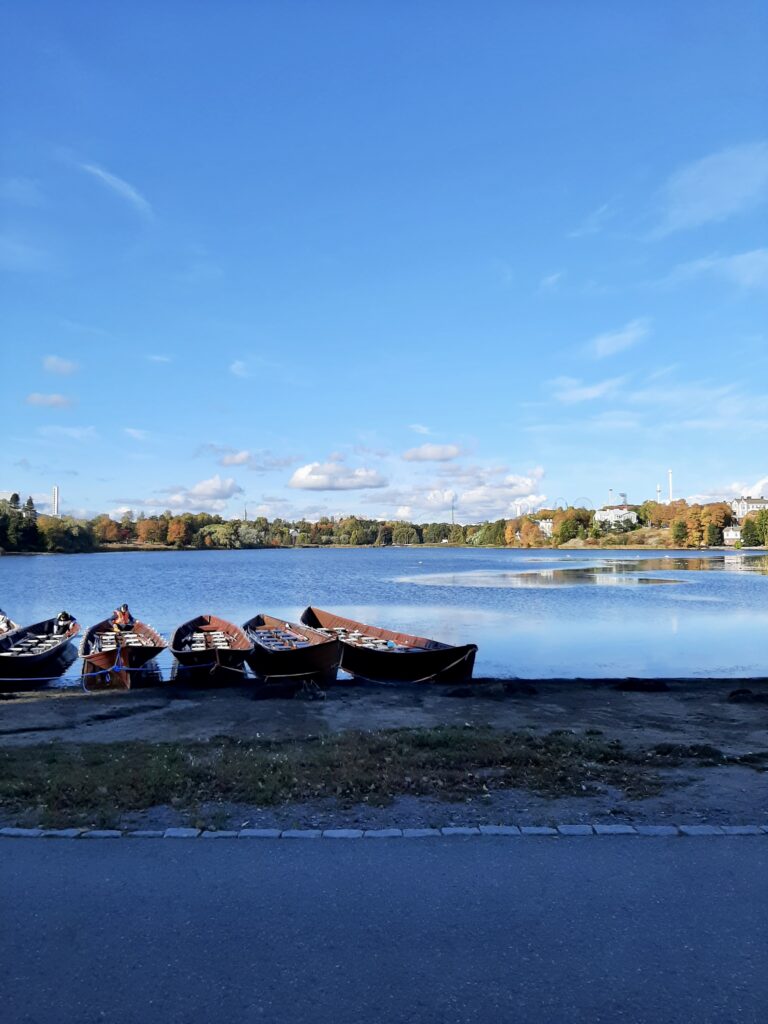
[(615, 830), (575, 830), (301, 833), (259, 833), (103, 833), (383, 833), (342, 833)]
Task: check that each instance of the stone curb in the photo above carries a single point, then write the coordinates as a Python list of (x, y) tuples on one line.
[(449, 831)]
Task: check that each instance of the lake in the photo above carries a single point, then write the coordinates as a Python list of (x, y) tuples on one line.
[(533, 614)]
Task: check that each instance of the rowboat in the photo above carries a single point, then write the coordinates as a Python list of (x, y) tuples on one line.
[(287, 650), (210, 642), (110, 657), (28, 651), (371, 652)]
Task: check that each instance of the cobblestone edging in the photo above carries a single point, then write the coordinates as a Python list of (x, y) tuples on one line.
[(521, 831)]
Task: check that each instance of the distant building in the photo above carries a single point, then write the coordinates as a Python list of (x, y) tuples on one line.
[(616, 517), (546, 526), (731, 534), (743, 506), (55, 502)]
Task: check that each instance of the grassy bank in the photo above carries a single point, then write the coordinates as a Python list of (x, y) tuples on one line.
[(95, 784)]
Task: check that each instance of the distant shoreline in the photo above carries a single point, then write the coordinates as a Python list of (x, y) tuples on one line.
[(130, 548)]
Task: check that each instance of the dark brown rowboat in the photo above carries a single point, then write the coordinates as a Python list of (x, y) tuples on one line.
[(109, 657), (210, 642), (383, 655), (286, 650), (28, 650)]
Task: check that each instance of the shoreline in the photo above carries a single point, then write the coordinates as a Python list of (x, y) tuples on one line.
[(132, 548)]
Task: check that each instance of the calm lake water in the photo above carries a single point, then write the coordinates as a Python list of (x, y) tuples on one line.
[(533, 614)]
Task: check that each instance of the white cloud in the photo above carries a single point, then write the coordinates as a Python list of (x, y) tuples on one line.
[(611, 342), (419, 428), (21, 192), (55, 364), (136, 434), (159, 359), (257, 461), (405, 512), (335, 476), (432, 453), (72, 433), (238, 368), (18, 255), (748, 270), (209, 495), (49, 401), (570, 390), (594, 221), (712, 189), (551, 281), (120, 187)]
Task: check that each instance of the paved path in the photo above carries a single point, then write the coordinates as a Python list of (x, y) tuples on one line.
[(432, 931)]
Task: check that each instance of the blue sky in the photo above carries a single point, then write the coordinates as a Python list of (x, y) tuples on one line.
[(373, 258)]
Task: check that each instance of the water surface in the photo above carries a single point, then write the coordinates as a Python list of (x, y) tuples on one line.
[(533, 614)]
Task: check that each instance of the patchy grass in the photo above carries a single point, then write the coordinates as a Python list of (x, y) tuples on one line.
[(97, 782)]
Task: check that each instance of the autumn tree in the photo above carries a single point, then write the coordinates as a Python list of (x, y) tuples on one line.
[(530, 534), (679, 532), (105, 530), (179, 532)]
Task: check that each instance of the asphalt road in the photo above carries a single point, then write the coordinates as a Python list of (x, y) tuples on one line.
[(441, 931)]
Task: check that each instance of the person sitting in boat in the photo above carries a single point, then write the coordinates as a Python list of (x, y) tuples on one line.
[(5, 624), (122, 620), (63, 624)]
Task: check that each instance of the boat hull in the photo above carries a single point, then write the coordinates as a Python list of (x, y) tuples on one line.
[(31, 665), (411, 659), (230, 658), (318, 662), (114, 669)]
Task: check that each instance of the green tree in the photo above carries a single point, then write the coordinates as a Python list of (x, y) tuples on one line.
[(679, 532), (750, 535), (714, 536)]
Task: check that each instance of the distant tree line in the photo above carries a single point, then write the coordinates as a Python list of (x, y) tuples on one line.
[(674, 525)]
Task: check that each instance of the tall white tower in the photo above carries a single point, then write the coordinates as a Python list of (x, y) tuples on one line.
[(670, 486), (55, 501)]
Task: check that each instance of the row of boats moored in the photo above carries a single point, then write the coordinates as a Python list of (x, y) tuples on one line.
[(114, 650)]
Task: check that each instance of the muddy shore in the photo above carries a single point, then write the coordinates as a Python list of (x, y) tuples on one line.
[(730, 716)]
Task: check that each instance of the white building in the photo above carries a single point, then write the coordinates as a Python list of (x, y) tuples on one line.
[(546, 525), (742, 506), (731, 534), (616, 517)]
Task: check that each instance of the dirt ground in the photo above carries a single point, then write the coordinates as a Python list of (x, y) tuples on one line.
[(687, 712)]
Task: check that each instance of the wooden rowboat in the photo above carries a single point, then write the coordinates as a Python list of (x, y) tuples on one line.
[(286, 650), (110, 657), (27, 652), (370, 652), (210, 642)]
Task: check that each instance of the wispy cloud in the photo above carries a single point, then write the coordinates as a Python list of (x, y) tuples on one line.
[(21, 192), (136, 434), (256, 461), (335, 476), (50, 401), (569, 390), (72, 433), (551, 282), (748, 270), (159, 359), (238, 368), (432, 453), (594, 221), (16, 255), (419, 428), (55, 364), (611, 342), (120, 187), (714, 188)]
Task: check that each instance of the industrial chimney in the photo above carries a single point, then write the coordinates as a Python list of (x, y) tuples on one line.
[(55, 501), (670, 486)]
